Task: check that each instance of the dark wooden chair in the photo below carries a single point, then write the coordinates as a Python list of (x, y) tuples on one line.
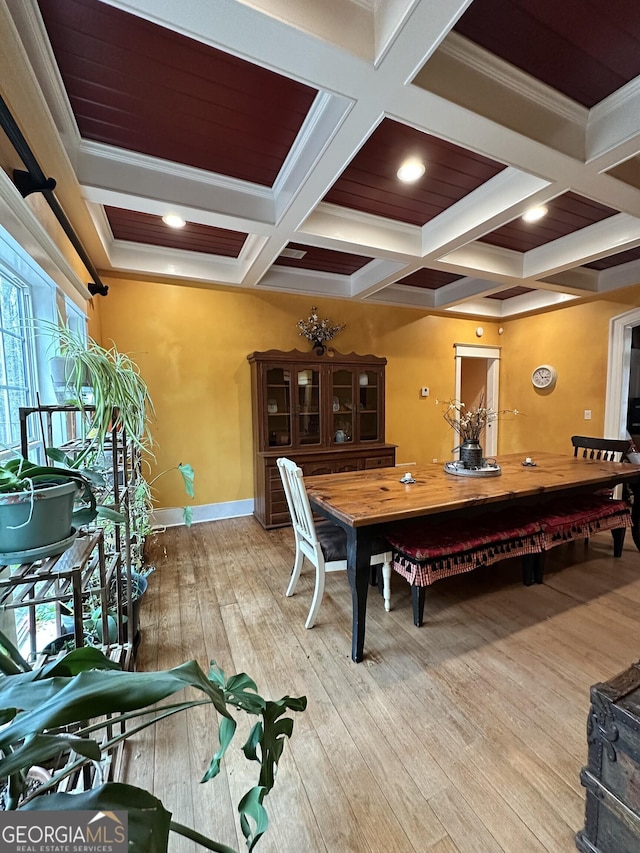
[(588, 514), (607, 449)]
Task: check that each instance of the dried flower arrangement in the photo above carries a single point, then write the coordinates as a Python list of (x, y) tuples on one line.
[(318, 331), (470, 422)]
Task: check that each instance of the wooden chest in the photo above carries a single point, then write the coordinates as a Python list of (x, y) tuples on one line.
[(612, 774)]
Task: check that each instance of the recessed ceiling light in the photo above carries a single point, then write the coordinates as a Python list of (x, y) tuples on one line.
[(173, 220), (411, 170), (535, 213)]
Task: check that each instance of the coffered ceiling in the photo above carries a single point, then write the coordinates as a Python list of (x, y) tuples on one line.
[(275, 130)]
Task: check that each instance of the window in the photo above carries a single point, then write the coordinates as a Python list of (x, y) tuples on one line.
[(16, 381), (28, 294)]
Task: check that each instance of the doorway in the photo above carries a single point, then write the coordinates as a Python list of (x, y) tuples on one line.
[(619, 373), (477, 378)]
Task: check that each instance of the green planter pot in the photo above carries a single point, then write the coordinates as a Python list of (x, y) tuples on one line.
[(49, 527)]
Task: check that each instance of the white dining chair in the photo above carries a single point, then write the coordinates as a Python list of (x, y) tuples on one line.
[(324, 544)]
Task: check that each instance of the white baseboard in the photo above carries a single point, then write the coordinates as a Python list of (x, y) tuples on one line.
[(173, 516)]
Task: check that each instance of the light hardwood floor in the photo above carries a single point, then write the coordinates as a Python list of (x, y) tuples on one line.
[(464, 736)]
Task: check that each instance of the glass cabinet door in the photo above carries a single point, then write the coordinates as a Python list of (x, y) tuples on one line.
[(307, 410), (278, 402), (369, 426), (343, 405)]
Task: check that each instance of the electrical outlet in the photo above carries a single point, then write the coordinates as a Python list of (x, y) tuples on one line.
[(424, 391), (587, 414), (435, 460)]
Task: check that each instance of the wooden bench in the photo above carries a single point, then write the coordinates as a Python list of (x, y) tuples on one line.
[(565, 521), (585, 516), (425, 551)]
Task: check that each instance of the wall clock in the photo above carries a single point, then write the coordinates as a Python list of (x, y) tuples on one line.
[(544, 376)]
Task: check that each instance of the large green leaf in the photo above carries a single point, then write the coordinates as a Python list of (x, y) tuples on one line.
[(109, 513), (40, 749), (11, 661), (226, 731), (17, 690), (60, 701), (270, 736), (253, 816), (148, 820), (77, 660), (188, 476)]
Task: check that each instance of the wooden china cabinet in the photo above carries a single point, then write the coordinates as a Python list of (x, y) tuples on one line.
[(324, 411)]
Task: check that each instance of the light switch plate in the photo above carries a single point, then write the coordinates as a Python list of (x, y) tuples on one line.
[(424, 391)]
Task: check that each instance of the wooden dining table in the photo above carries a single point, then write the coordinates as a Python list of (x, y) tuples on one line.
[(363, 502)]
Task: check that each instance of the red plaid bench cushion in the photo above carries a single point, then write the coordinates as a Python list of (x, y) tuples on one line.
[(583, 517), (425, 551)]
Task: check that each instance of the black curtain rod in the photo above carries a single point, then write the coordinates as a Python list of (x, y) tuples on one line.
[(34, 180)]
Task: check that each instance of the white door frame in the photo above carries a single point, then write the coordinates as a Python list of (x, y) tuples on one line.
[(618, 373), (492, 355)]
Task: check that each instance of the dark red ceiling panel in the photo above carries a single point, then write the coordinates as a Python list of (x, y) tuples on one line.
[(145, 228), (585, 49), (615, 260), (567, 213), (135, 85), (323, 260), (369, 183), (429, 279), (510, 292)]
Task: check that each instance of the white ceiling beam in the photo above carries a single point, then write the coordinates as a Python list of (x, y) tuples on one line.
[(613, 128), (579, 281), (534, 301), (400, 294), (190, 266), (589, 244), (149, 184), (375, 276), (292, 280), (477, 258), (502, 198), (411, 30), (458, 291), (350, 230), (621, 276)]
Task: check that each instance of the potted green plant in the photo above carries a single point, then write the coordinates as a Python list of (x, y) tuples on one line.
[(45, 714), (42, 506), (120, 395)]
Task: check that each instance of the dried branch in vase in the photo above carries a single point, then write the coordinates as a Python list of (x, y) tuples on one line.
[(470, 422)]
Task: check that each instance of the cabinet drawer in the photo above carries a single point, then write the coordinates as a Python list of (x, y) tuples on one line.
[(275, 479), (379, 462), (347, 465), (310, 469), (280, 519)]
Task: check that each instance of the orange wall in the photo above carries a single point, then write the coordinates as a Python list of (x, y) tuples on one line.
[(575, 341), (191, 344)]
